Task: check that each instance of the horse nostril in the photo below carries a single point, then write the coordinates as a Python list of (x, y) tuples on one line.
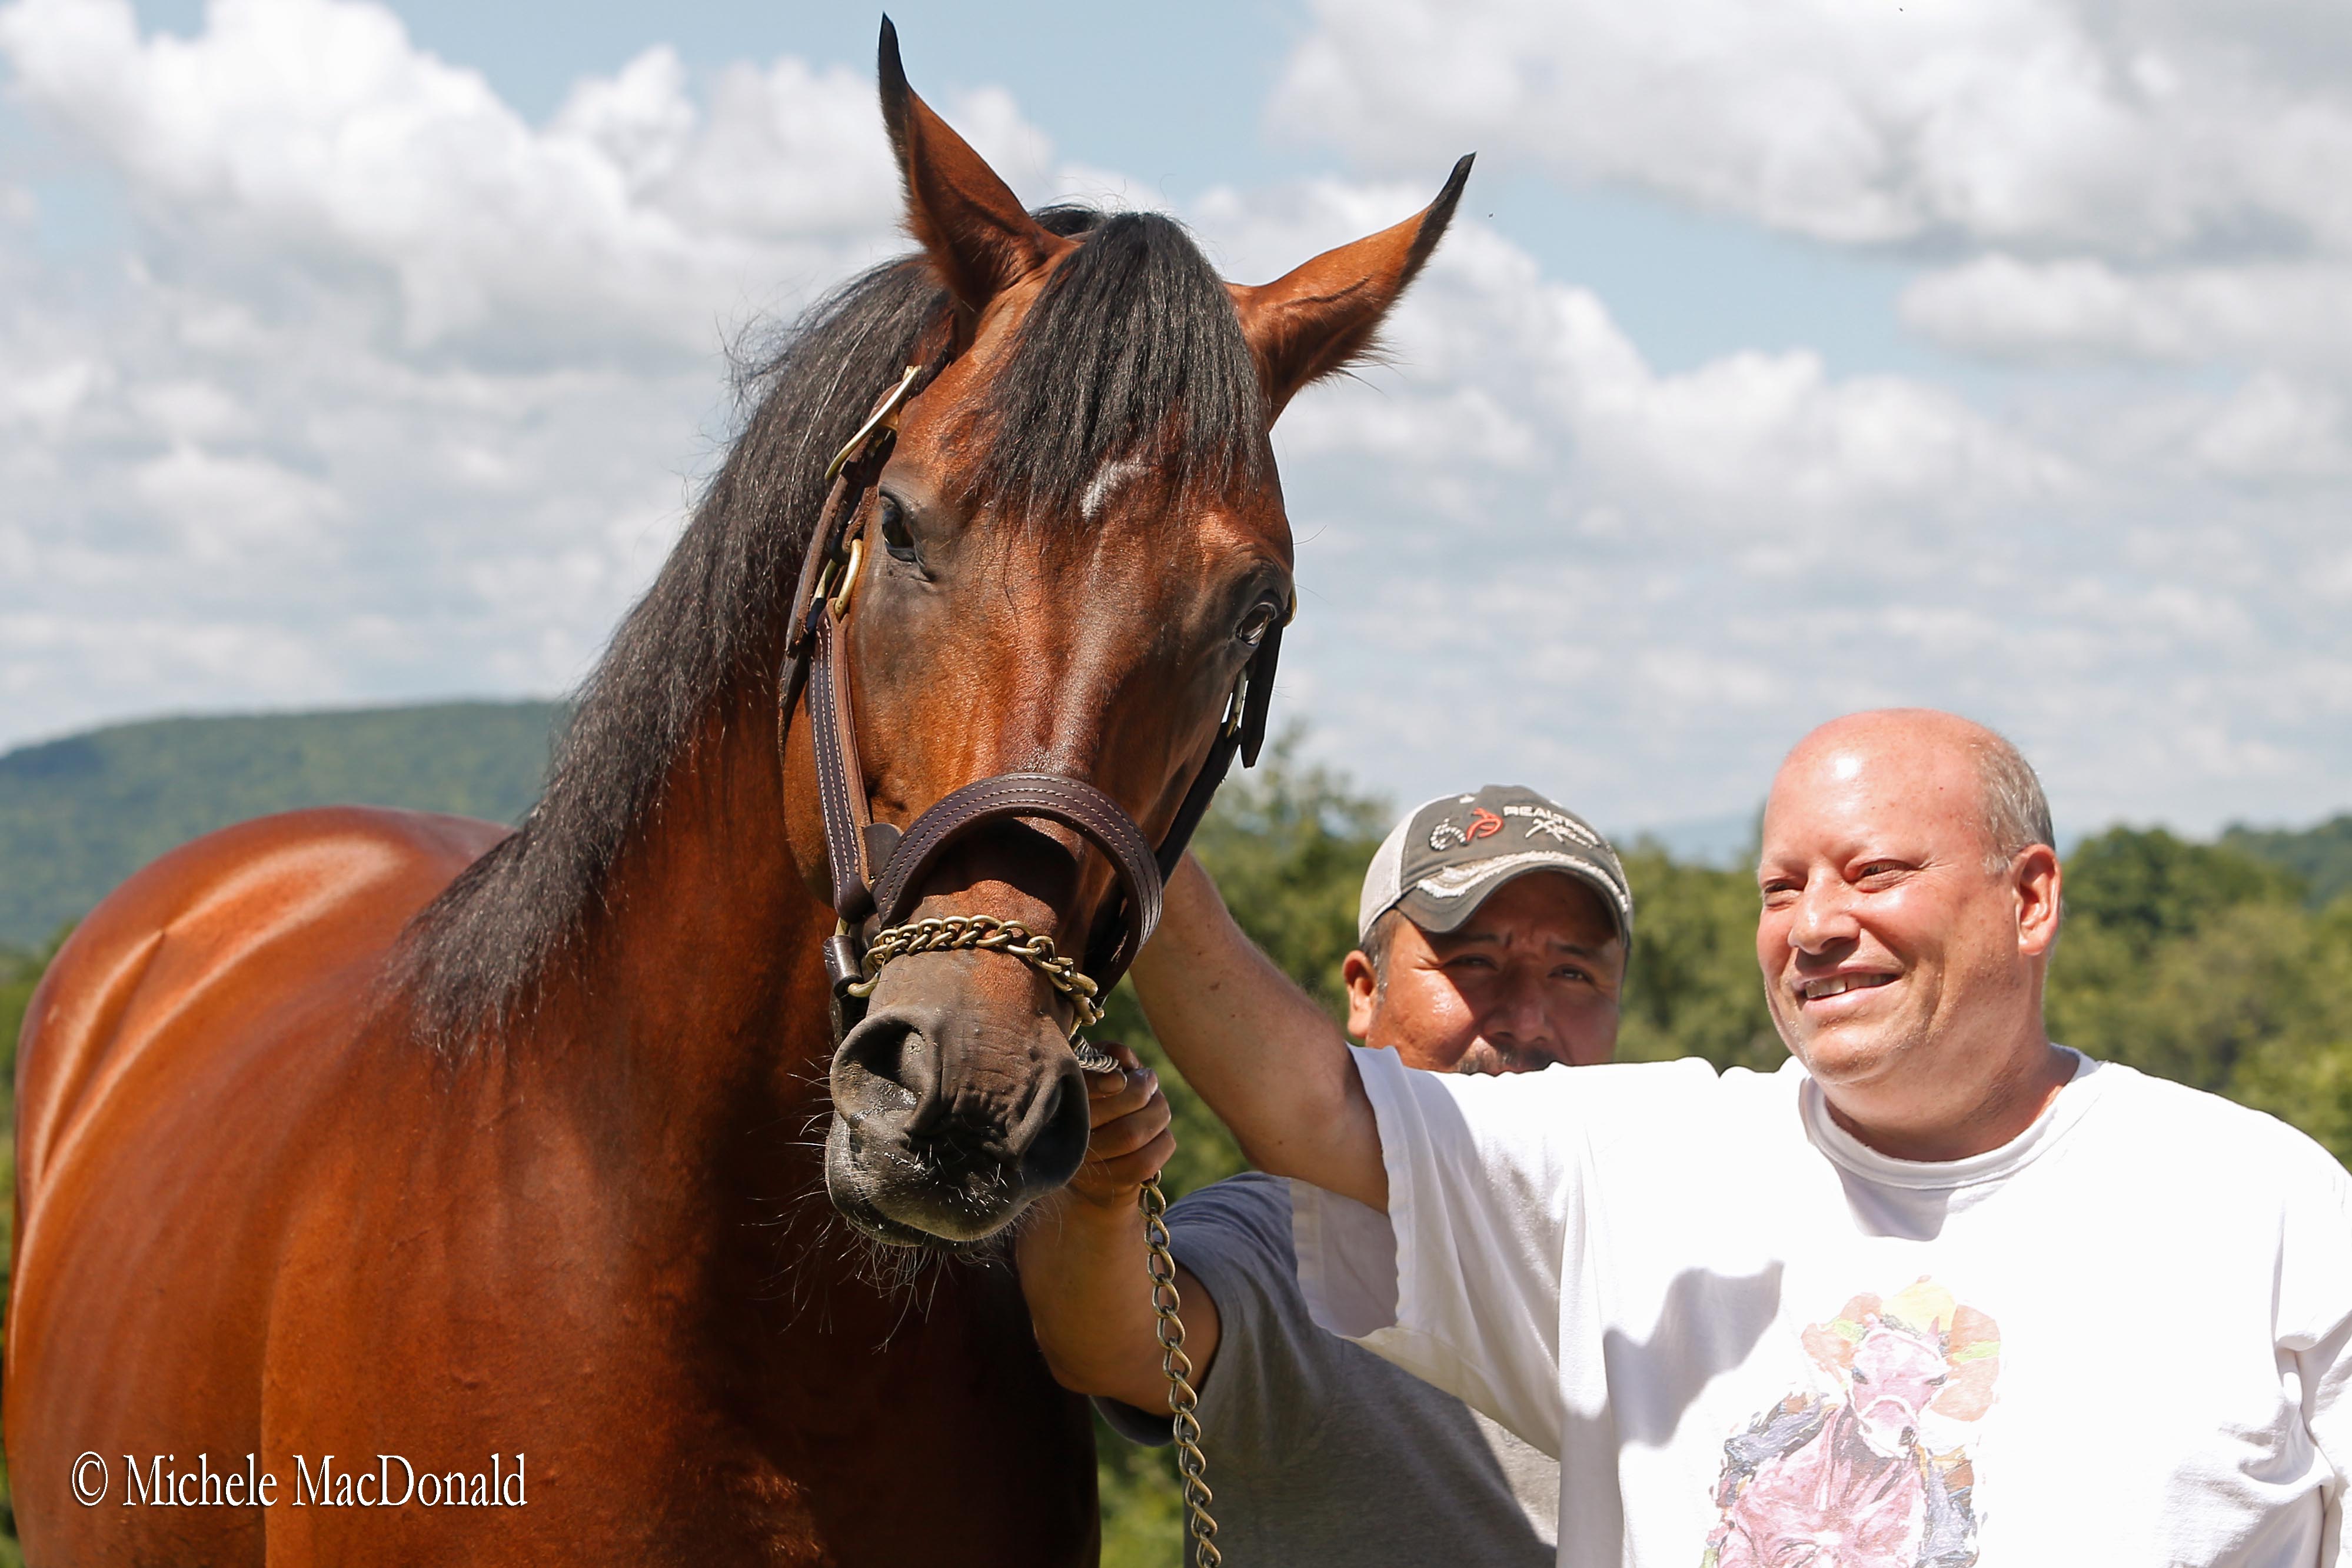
[(1059, 1147), (888, 1064)]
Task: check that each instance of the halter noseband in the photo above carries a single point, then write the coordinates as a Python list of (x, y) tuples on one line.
[(878, 870)]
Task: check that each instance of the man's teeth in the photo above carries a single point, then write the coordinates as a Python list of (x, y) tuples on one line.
[(1839, 985)]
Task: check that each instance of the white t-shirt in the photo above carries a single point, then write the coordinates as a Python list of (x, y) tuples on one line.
[(2120, 1339)]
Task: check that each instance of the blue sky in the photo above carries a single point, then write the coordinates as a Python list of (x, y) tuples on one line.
[(1995, 356)]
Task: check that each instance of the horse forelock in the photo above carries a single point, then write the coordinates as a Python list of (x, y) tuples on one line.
[(1132, 352)]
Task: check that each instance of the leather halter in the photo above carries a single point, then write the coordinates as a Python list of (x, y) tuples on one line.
[(876, 870)]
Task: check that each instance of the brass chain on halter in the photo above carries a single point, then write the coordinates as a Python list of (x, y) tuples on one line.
[(1200, 1524), (985, 933)]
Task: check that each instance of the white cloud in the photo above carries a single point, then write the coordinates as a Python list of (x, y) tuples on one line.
[(1505, 369), (2275, 428), (313, 133), (2084, 309), (2143, 129)]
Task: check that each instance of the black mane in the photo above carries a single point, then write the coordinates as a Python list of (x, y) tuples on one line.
[(1132, 349)]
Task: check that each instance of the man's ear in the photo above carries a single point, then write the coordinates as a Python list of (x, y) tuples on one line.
[(1304, 326), (1363, 983), (2039, 882), (979, 237)]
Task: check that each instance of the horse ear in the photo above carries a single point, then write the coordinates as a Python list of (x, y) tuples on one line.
[(977, 234), (1312, 321)]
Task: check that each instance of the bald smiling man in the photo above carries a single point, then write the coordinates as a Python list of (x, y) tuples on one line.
[(1938, 1291)]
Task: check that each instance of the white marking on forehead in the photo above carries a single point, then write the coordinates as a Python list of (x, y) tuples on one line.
[(1114, 474)]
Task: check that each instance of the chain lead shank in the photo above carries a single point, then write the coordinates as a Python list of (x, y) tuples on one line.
[(1200, 1525)]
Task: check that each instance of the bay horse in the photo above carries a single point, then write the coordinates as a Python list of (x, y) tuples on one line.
[(484, 1157)]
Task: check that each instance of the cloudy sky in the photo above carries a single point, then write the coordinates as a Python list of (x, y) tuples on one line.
[(1992, 354)]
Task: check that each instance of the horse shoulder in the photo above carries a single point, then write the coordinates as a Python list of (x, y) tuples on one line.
[(241, 921)]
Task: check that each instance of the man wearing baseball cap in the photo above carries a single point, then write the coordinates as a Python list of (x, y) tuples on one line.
[(1493, 934)]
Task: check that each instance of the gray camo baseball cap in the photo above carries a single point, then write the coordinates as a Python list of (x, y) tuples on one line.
[(1440, 863)]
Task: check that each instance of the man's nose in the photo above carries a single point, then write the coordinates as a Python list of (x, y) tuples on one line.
[(1823, 918), (1516, 1020)]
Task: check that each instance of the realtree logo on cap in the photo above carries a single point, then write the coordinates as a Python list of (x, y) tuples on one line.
[(1544, 821), (1483, 824)]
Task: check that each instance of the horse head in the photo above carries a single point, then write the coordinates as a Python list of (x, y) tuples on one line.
[(1076, 547)]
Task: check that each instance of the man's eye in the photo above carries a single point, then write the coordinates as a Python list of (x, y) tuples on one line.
[(894, 536), (1257, 624)]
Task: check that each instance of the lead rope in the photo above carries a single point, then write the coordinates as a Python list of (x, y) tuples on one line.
[(1200, 1524), (1184, 1400)]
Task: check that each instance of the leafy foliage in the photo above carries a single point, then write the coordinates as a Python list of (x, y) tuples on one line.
[(78, 815), (1692, 988), (2200, 964), (2144, 886), (2321, 856)]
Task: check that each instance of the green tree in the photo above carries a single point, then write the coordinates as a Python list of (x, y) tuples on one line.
[(2303, 1073), (2322, 856), (2144, 885), (1692, 987), (2178, 958)]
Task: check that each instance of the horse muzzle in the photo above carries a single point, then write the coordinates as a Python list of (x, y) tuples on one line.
[(948, 1120)]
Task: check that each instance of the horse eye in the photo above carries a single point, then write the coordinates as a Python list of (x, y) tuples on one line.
[(894, 536), (1256, 624)]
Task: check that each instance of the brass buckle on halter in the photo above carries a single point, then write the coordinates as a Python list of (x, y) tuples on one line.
[(837, 579), (849, 577), (883, 418)]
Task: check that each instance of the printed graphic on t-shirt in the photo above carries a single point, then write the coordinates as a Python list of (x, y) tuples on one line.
[(1869, 1467)]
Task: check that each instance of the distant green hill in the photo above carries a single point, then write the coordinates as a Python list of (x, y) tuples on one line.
[(2322, 856), (78, 815)]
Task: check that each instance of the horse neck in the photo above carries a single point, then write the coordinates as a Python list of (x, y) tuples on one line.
[(700, 1009), (695, 1050)]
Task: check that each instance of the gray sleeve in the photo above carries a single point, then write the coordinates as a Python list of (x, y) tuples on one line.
[(1263, 1397)]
